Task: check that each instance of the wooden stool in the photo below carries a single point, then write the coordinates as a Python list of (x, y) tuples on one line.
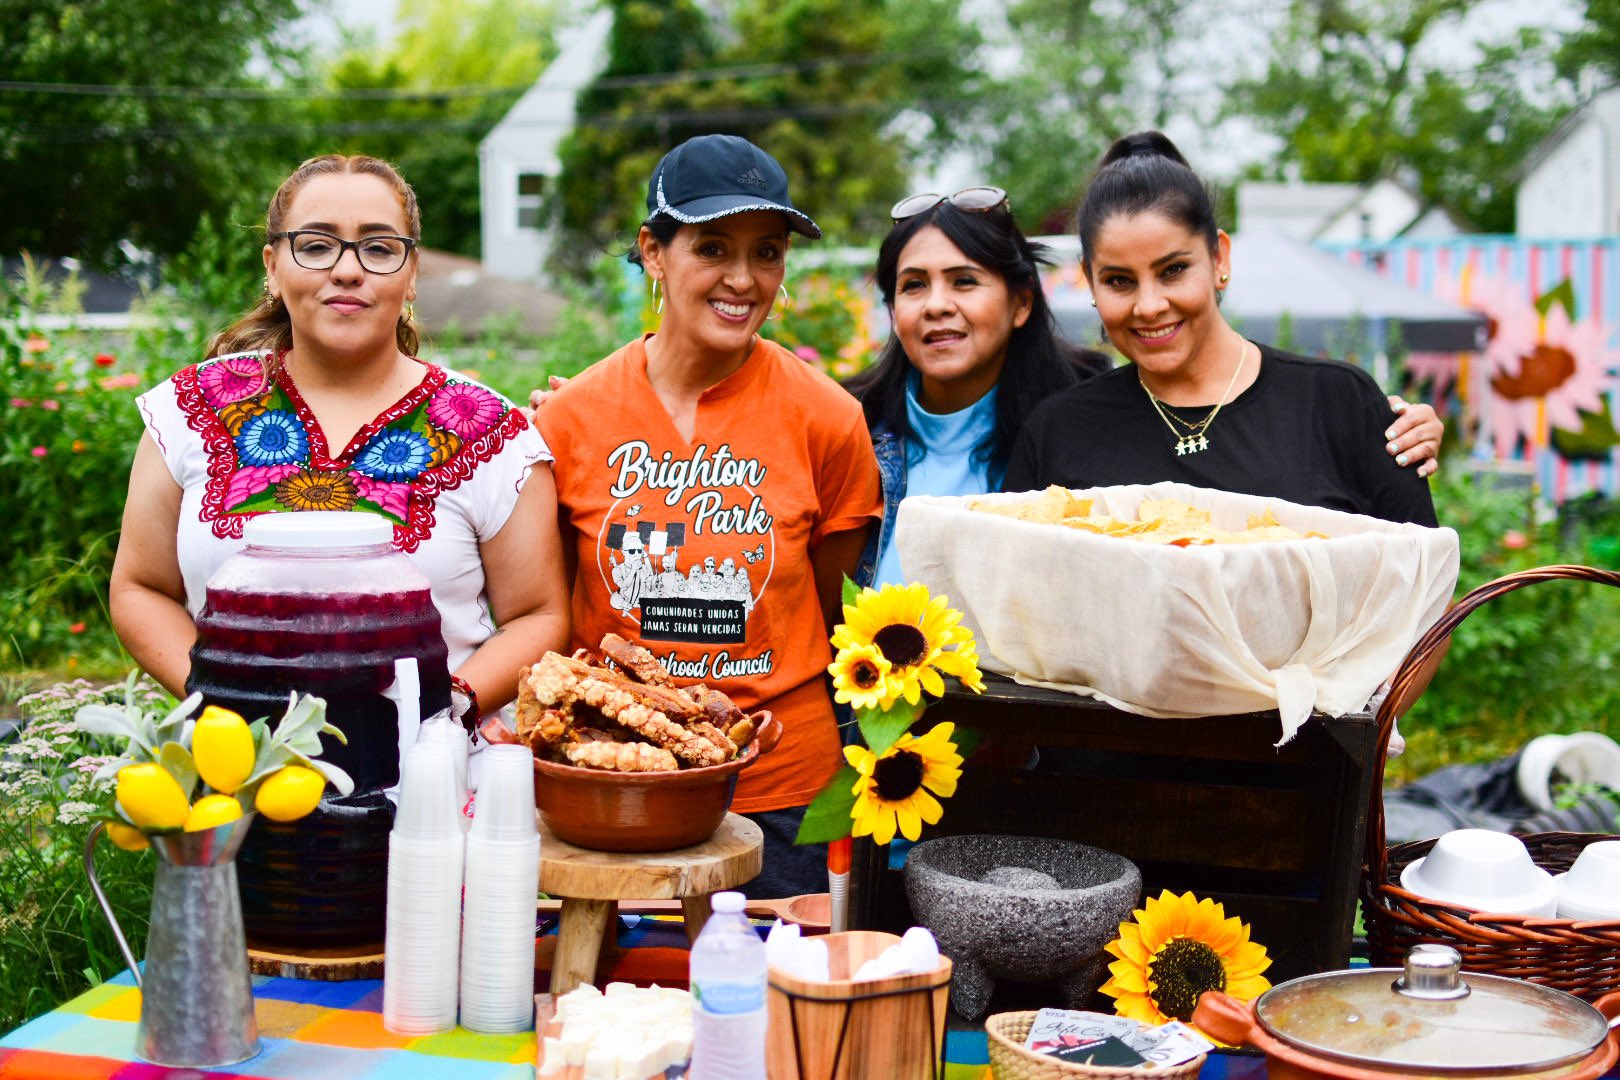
[(591, 883)]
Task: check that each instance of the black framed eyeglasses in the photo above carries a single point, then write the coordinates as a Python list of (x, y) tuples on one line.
[(316, 250), (975, 200)]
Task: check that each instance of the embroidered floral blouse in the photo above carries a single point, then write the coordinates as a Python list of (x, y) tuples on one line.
[(444, 465)]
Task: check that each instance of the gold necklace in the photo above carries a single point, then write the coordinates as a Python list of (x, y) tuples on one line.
[(1196, 438)]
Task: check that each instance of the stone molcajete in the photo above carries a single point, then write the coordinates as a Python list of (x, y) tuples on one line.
[(1021, 908)]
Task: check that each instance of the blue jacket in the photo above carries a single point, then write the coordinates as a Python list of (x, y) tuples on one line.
[(891, 458)]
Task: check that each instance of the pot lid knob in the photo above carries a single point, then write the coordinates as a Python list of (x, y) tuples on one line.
[(1433, 973)]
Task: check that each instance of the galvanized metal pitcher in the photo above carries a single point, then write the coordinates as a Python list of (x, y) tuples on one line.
[(196, 995)]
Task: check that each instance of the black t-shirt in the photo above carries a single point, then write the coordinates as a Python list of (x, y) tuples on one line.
[(1309, 431)]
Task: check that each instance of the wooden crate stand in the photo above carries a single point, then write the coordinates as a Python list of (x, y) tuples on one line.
[(1207, 804)]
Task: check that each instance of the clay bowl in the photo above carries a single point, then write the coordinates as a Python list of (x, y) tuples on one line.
[(662, 811)]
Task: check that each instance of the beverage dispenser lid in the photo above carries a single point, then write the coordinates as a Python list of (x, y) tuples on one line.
[(315, 529)]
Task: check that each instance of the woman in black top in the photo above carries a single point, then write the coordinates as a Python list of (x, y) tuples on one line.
[(1200, 404)]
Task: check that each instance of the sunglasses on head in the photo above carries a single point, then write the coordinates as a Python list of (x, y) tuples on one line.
[(976, 200)]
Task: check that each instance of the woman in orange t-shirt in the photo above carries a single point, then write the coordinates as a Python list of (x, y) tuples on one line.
[(714, 489)]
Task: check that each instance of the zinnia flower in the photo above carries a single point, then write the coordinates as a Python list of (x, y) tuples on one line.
[(894, 789), (313, 490), (860, 676), (105, 360), (272, 438), (394, 454), (1179, 947), (919, 636), (231, 379), (122, 381), (465, 409), (36, 344), (39, 451), (50, 405)]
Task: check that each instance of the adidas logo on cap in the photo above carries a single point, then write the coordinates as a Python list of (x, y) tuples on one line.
[(753, 179)]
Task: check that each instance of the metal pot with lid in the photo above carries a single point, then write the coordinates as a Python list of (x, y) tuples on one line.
[(1426, 1021)]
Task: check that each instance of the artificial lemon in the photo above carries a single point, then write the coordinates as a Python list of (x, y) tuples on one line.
[(222, 748), (127, 837), (289, 793), (212, 810), (151, 797)]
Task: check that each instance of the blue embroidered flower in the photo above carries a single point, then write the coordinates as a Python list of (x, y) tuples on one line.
[(394, 455), (272, 438)]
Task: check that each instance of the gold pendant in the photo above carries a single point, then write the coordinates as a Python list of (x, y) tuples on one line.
[(1191, 444)]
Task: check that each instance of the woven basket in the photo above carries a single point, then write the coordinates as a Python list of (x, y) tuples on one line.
[(1580, 957), (1010, 1061)]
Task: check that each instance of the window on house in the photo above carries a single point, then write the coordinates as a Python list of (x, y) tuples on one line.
[(531, 186)]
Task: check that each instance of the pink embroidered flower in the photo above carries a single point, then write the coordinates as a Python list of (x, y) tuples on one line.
[(467, 410), (250, 480), (230, 379), (121, 382), (394, 498)]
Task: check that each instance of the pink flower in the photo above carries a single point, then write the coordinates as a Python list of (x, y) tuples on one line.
[(1514, 540), (36, 344), (809, 353), (465, 409), (20, 403), (49, 406), (121, 382), (39, 451), (252, 479), (105, 360), (394, 498), (234, 378), (76, 628)]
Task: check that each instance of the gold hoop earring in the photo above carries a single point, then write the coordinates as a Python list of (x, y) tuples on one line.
[(658, 297), (787, 302)]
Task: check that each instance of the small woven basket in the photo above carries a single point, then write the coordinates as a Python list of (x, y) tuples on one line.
[(1010, 1061), (1582, 958)]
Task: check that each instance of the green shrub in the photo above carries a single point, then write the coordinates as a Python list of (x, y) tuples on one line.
[(54, 941)]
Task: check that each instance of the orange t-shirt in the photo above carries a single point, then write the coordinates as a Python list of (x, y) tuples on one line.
[(701, 550)]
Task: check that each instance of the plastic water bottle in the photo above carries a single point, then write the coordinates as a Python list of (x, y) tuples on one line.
[(728, 996)]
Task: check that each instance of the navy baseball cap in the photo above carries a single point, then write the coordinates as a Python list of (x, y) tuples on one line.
[(715, 176)]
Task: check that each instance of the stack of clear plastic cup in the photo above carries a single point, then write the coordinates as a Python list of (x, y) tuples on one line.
[(503, 882), (439, 728), (426, 857)]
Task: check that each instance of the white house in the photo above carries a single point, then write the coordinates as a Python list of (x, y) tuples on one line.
[(1340, 213), (517, 161), (1569, 186)]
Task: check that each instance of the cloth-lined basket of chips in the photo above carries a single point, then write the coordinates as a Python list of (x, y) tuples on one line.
[(1172, 600), (625, 760)]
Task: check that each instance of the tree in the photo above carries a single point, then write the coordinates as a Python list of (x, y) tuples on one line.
[(1596, 45), (82, 171), (1088, 72), (1355, 95), (825, 85), (443, 49)]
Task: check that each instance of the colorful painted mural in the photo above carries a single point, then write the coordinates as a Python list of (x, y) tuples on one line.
[(1546, 390)]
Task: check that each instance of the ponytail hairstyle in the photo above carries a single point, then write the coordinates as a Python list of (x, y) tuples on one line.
[(1038, 363), (267, 327), (1141, 173)]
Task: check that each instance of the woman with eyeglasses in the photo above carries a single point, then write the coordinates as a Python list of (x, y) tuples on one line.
[(703, 444), (315, 400), (973, 351)]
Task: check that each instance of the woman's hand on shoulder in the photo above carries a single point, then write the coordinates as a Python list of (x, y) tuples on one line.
[(538, 397), (1414, 438)]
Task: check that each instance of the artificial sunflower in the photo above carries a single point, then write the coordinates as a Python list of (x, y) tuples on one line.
[(860, 676), (893, 790), (316, 490), (1177, 948), (919, 636)]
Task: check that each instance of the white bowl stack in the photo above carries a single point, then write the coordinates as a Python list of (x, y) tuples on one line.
[(426, 857), (1485, 870), (503, 881), (1590, 889)]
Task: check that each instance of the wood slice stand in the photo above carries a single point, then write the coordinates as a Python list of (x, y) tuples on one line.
[(590, 885), (320, 965)]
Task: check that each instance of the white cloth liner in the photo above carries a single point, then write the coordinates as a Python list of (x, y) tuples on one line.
[(1186, 632)]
